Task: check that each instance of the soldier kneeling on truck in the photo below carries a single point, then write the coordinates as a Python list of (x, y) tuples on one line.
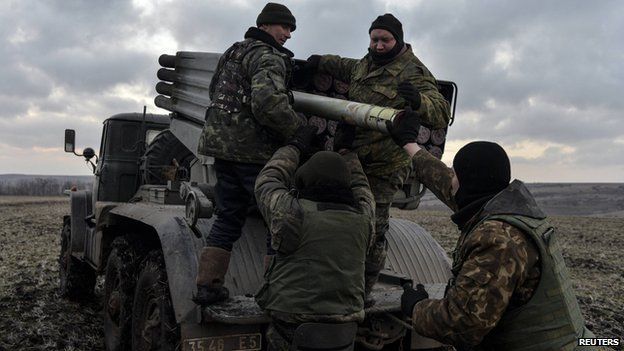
[(510, 288), (320, 217)]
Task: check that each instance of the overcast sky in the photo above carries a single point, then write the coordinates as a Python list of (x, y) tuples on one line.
[(543, 78)]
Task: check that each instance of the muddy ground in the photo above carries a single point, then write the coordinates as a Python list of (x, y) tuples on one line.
[(34, 317)]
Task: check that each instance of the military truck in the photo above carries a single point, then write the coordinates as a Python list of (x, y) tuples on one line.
[(144, 222)]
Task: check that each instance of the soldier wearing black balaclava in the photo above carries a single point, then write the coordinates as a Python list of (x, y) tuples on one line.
[(510, 288)]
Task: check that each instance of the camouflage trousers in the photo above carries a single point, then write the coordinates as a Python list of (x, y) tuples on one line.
[(383, 188)]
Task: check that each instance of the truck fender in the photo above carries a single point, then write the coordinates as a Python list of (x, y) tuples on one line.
[(179, 246), (414, 252)]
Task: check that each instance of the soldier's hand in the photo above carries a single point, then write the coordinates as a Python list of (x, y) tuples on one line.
[(303, 138), (410, 93), (412, 296), (404, 129), (345, 135)]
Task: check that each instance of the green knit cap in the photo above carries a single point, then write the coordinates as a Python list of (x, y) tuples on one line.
[(324, 168), (274, 13)]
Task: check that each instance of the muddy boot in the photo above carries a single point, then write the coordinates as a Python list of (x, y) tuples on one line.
[(213, 265), (375, 262)]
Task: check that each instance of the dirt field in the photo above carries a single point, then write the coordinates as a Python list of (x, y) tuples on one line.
[(33, 317)]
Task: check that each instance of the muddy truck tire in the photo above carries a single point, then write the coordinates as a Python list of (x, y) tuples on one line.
[(76, 278), (154, 325), (119, 286)]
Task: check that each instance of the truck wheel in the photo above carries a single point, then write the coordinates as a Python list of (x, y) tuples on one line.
[(415, 253), (153, 321), (76, 278), (157, 163), (118, 295)]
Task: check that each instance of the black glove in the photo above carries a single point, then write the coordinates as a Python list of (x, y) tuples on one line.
[(313, 63), (410, 297), (345, 135), (303, 138), (409, 92), (404, 128)]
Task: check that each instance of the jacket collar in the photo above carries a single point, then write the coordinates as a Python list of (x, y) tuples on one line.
[(259, 34), (394, 67), (515, 199)]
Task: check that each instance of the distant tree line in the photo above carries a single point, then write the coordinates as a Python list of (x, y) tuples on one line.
[(41, 186)]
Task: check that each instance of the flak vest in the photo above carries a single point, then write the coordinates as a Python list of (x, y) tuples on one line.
[(231, 132), (324, 275), (551, 319)]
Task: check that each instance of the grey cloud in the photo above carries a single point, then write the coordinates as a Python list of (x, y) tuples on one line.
[(566, 57)]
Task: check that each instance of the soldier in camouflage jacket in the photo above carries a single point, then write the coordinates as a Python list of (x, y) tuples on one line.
[(510, 288), (320, 216), (390, 75), (249, 117)]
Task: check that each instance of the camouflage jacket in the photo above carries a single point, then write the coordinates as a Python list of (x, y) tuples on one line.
[(284, 212), (261, 119), (500, 269), (378, 86)]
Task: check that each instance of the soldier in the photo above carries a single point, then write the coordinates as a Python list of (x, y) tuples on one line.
[(249, 117), (510, 288), (320, 217), (390, 75)]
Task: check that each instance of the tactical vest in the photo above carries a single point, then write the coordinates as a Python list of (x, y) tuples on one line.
[(551, 319), (325, 273), (230, 131)]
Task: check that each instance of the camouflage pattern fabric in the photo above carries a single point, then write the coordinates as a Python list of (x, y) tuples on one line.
[(383, 188), (247, 123), (379, 155), (277, 201), (500, 269)]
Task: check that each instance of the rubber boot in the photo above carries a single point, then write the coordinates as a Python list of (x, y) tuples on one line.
[(213, 265)]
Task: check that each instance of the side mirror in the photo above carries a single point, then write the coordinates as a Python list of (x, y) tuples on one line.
[(70, 140)]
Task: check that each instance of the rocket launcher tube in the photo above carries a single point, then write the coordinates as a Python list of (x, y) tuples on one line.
[(356, 113)]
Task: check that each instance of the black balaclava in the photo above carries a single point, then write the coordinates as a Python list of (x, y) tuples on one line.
[(394, 26), (325, 177), (483, 170)]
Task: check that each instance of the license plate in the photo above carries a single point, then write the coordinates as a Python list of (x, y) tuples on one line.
[(225, 343)]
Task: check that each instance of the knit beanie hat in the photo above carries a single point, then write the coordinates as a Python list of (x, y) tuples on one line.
[(482, 169), (273, 13), (389, 23), (325, 169)]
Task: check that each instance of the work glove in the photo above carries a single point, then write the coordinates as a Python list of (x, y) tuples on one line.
[(313, 63), (404, 129), (345, 135), (410, 297), (303, 138), (410, 93)]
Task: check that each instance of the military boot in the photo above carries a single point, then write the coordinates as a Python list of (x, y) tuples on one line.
[(213, 265)]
